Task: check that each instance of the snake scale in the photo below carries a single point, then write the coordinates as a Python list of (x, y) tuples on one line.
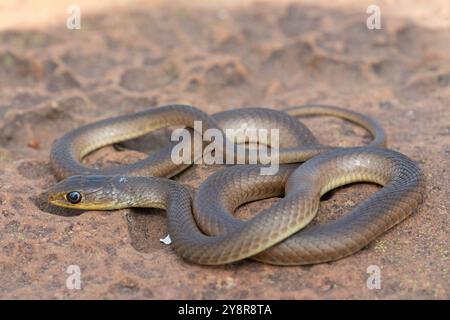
[(203, 229)]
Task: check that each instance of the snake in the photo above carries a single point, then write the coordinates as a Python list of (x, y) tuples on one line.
[(202, 228)]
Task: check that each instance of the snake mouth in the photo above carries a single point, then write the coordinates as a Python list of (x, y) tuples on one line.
[(88, 202), (60, 201)]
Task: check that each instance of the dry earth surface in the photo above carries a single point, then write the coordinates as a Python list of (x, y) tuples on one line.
[(129, 57)]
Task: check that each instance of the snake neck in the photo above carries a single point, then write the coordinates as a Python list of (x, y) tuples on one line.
[(145, 192)]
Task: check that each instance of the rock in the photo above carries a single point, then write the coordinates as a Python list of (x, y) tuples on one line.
[(260, 55)]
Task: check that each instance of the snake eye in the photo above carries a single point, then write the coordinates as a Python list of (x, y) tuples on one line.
[(73, 197)]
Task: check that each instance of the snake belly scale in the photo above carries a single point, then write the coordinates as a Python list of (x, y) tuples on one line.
[(210, 234)]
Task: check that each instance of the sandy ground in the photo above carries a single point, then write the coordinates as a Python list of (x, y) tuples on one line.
[(139, 54)]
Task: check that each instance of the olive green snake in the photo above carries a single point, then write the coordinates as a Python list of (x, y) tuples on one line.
[(203, 229)]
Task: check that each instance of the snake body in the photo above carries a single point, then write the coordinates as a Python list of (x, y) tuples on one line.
[(302, 187), (297, 144), (212, 235)]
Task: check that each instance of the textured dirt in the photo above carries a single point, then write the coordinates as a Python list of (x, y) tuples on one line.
[(264, 54)]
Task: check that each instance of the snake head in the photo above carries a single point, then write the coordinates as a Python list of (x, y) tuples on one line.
[(85, 192)]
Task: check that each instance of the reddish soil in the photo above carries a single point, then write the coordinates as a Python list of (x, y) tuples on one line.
[(265, 54)]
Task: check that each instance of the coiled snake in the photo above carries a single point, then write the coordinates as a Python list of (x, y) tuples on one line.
[(204, 230)]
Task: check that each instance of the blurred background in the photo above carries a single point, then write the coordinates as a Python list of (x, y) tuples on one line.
[(29, 13)]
